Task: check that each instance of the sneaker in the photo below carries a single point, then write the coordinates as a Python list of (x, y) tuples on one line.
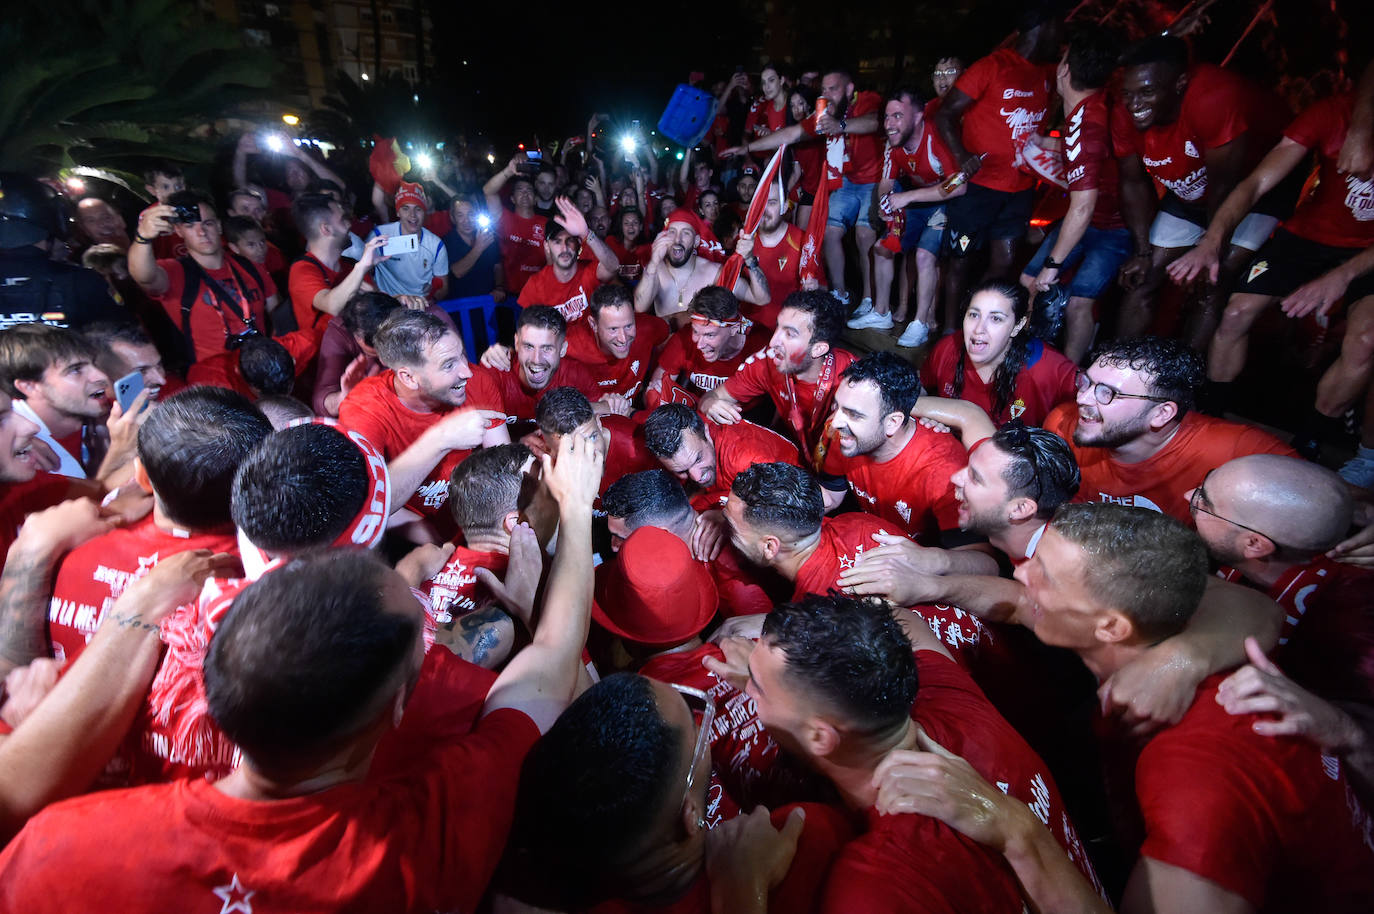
[(1359, 470), (871, 320), (915, 335)]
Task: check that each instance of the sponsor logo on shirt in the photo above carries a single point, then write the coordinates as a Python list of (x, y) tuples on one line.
[(1018, 93), (706, 381), (1190, 149), (904, 510), (1156, 163), (1076, 174), (1022, 121), (1191, 186), (434, 494), (1359, 198), (1136, 501), (52, 318)]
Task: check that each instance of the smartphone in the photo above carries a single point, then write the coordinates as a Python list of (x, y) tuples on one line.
[(483, 221), (401, 244), (128, 388)]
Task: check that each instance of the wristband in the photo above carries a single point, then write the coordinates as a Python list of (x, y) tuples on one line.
[(1051, 264), (139, 239), (844, 125), (751, 261)]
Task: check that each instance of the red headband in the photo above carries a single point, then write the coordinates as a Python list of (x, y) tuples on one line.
[(714, 322)]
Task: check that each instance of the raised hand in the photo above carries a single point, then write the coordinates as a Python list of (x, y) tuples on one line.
[(570, 217)]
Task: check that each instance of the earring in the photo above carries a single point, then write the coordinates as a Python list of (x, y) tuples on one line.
[(701, 822)]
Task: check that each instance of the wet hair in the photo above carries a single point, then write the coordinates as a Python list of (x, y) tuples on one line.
[(609, 296), (28, 350), (309, 210), (1137, 561), (191, 446), (1176, 372), (716, 303), (486, 486), (404, 335), (651, 498), (236, 227), (851, 654), (561, 410), (1018, 347), (1040, 466), (364, 312), (1168, 50), (266, 366), (1092, 57), (665, 425), (826, 313), (542, 317), (780, 498), (898, 383)]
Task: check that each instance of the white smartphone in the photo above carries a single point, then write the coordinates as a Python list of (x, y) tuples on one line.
[(128, 388), (401, 244)]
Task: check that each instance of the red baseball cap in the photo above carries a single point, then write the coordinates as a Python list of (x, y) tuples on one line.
[(656, 594), (409, 192)]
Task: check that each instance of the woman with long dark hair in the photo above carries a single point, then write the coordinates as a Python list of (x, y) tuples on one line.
[(630, 244), (995, 363)]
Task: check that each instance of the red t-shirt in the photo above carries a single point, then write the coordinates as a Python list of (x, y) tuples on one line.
[(518, 401), (618, 376), (522, 248), (912, 490), (1201, 444), (857, 156), (682, 357), (1218, 106), (1046, 380), (223, 370), (811, 160), (309, 277), (373, 409), (94, 574), (1340, 211), (1269, 819), (627, 453), (20, 499), (1010, 96), (429, 840), (738, 447), (763, 118), (632, 260), (208, 327), (570, 298), (780, 264), (455, 586), (929, 164), (804, 406), (1088, 160)]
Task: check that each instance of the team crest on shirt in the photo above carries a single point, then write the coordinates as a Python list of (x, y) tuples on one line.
[(1017, 408), (1190, 149), (964, 242), (1258, 267), (782, 263), (235, 897), (634, 367), (904, 510), (434, 493), (1359, 198)]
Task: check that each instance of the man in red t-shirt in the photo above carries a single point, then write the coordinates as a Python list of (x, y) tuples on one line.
[(617, 344), (799, 371), (899, 469), (206, 428), (519, 230), (566, 281), (261, 366), (708, 454), (707, 352), (1197, 131), (324, 280), (420, 412), (1092, 238), (777, 245), (211, 295), (985, 120), (1232, 819), (1135, 434)]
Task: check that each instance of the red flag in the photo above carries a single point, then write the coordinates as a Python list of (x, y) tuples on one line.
[(729, 274), (811, 266), (387, 164)]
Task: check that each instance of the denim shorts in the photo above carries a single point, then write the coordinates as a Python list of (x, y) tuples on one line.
[(849, 205), (1098, 256), (925, 228)]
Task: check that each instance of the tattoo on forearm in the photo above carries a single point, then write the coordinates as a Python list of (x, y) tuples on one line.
[(477, 636), (133, 620), (24, 590)]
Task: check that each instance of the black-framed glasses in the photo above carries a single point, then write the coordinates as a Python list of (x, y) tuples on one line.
[(699, 703), (1105, 393), (1199, 498)]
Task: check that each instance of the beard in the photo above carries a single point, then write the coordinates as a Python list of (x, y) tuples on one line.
[(1110, 434), (674, 261)]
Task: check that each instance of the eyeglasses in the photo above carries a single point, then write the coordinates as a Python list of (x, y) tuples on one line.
[(950, 72), (708, 717), (1200, 498), (1105, 393)]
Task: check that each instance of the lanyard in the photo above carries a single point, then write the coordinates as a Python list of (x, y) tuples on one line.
[(824, 385)]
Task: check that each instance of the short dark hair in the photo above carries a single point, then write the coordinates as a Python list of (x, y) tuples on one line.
[(609, 296), (301, 487), (487, 485), (235, 227), (542, 317), (164, 168), (191, 445), (826, 312), (191, 198), (839, 68), (364, 312), (306, 658), (1166, 49), (898, 383), (909, 94), (1041, 466), (28, 350), (283, 409), (851, 654), (309, 210), (266, 366), (102, 335), (602, 772), (403, 335), (780, 498), (715, 302), (1093, 53), (561, 410), (650, 498), (1141, 562), (1176, 372), (665, 425), (521, 179)]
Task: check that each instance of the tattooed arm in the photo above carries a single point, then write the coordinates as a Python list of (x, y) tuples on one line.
[(484, 636)]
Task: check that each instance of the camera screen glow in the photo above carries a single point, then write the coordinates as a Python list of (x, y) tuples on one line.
[(484, 221), (274, 142), (424, 160), (627, 143)]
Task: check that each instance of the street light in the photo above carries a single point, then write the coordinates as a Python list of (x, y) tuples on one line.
[(364, 77), (290, 120)]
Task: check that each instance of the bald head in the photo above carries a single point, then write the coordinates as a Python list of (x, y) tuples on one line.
[(1296, 503)]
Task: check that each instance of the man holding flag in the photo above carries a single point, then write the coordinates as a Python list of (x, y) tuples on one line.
[(676, 272)]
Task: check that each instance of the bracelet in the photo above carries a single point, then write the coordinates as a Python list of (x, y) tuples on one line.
[(1051, 264), (844, 125), (139, 239)]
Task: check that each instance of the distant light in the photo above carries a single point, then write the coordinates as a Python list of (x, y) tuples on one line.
[(274, 142), (465, 63), (627, 143), (679, 155), (415, 98), (438, 145), (364, 77), (290, 120), (491, 159), (423, 160), (410, 145), (520, 146)]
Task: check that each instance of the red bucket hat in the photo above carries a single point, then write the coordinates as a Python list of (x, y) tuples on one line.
[(656, 594)]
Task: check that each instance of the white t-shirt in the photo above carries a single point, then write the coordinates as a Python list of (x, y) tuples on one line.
[(412, 273)]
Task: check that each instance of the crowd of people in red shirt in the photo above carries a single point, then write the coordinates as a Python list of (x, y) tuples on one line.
[(681, 597)]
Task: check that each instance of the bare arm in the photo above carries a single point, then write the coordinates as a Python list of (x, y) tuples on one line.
[(752, 286), (1076, 221), (792, 134), (460, 430), (332, 301), (972, 424), (949, 123), (904, 572), (646, 293), (719, 406), (143, 266), (463, 266), (1138, 203), (492, 189), (1155, 888)]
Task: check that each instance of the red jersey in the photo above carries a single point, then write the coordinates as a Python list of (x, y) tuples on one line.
[(223, 370), (1218, 106), (780, 264), (518, 401), (857, 156), (803, 405), (1046, 380), (309, 277), (1088, 160), (763, 118), (570, 298), (1201, 444), (682, 357), (213, 318), (738, 447), (929, 164), (429, 840), (632, 260), (94, 574), (1270, 819), (618, 376), (455, 587), (374, 410), (1010, 96), (1340, 211), (912, 490), (522, 247), (20, 499), (627, 452)]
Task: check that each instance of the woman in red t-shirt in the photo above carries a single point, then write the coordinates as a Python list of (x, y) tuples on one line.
[(808, 158), (631, 245), (996, 364)]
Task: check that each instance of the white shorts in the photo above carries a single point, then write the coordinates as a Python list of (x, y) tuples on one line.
[(1170, 231)]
